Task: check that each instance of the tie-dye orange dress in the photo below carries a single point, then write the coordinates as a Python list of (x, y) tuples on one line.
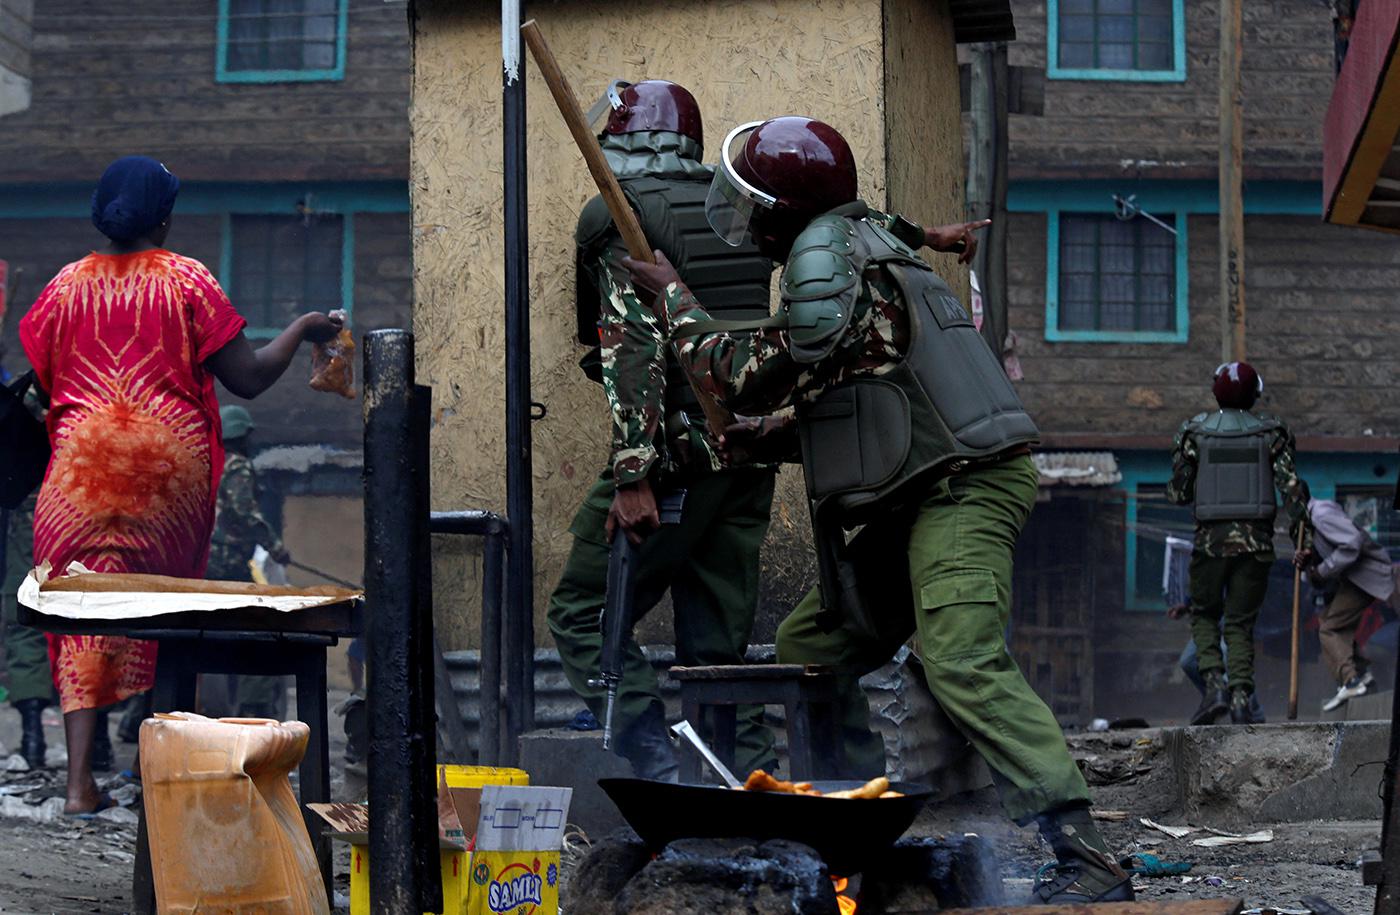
[(119, 342)]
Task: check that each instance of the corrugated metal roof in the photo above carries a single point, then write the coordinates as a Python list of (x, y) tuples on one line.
[(1077, 468), (982, 20)]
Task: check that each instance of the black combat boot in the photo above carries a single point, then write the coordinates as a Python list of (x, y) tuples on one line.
[(1085, 871), (31, 742), (102, 757), (1214, 702), (647, 746), (1240, 712)]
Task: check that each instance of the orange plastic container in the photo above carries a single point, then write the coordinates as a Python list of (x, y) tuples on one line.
[(226, 832)]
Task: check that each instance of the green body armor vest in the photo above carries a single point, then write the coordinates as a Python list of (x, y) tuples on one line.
[(730, 282), (872, 443), (1235, 472)]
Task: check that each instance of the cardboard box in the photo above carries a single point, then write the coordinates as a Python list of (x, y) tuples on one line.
[(515, 865), (507, 865)]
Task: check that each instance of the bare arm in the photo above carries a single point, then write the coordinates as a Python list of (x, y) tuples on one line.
[(248, 372)]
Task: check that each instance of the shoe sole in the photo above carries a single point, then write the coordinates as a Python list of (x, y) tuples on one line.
[(1210, 716)]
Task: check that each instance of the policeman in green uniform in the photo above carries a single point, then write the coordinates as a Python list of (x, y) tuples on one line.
[(239, 528), (653, 141), (909, 430), (1227, 465), (26, 649)]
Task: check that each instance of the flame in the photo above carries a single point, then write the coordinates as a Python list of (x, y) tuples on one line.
[(847, 904)]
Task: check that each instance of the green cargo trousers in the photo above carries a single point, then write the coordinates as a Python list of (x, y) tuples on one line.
[(709, 561), (943, 570), (1226, 594), (26, 659)]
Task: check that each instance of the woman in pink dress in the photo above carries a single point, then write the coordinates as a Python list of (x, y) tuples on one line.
[(127, 343)]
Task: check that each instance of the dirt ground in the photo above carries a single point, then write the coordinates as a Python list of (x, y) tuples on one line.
[(50, 863), (54, 864)]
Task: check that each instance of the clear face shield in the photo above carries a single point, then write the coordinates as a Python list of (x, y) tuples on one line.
[(732, 201)]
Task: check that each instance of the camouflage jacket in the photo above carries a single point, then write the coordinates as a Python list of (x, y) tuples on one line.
[(1237, 538), (239, 525), (632, 346), (755, 373)]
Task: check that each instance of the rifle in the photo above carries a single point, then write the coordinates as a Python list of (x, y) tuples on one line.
[(619, 606)]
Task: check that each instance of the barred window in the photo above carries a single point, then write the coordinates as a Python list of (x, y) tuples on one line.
[(284, 266), (281, 38), (1116, 275), (1115, 35)]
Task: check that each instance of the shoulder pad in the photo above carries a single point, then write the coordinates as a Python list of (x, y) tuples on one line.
[(819, 287), (594, 223), (895, 243)]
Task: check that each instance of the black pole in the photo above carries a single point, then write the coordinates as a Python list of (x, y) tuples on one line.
[(520, 569), (400, 767)]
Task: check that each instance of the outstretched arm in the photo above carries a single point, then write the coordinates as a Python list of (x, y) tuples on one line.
[(248, 372)]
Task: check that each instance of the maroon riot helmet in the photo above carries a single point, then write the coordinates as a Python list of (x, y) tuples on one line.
[(775, 176), (653, 104), (1237, 386)]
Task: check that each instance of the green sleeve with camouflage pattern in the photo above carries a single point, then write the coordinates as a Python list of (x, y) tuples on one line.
[(1181, 490), (634, 370), (1290, 486), (240, 519)]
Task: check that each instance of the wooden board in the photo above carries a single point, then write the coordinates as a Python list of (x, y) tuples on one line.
[(342, 619), (1193, 907)]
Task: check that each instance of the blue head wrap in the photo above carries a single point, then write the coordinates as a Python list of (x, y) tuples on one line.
[(135, 195)]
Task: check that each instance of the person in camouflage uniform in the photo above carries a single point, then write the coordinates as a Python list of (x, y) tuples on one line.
[(26, 650), (916, 451), (709, 560), (239, 528), (1227, 465)]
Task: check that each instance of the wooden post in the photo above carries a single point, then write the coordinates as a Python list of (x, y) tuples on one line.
[(1294, 648), (986, 183), (1232, 314)]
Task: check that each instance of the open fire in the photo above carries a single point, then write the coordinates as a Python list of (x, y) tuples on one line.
[(847, 904)]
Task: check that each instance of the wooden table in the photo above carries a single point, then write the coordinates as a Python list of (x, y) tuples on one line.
[(251, 641)]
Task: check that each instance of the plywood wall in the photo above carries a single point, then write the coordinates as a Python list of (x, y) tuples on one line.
[(743, 61)]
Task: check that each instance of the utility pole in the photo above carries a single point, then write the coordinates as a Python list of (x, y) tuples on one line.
[(520, 556), (1232, 314), (986, 182)]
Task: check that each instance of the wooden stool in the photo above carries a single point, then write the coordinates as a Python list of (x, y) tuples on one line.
[(807, 694)]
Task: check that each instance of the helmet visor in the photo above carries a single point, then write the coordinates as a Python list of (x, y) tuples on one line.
[(732, 201)]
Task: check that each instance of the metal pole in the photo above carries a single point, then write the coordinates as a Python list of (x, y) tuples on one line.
[(520, 576), (391, 565), (493, 529), (1232, 341)]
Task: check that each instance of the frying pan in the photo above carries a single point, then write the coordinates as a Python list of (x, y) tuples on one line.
[(848, 834)]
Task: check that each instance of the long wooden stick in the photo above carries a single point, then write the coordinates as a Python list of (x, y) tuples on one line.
[(716, 417), (1293, 658)]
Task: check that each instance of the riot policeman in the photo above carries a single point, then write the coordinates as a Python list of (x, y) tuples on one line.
[(908, 430), (653, 140), (1227, 465)]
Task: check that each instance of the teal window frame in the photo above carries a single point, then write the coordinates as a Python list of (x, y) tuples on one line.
[(347, 265), (1160, 197), (1182, 278), (1177, 74), (1053, 331), (1323, 473), (223, 74)]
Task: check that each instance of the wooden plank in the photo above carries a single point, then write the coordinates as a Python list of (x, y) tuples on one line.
[(340, 620), (1140, 907)]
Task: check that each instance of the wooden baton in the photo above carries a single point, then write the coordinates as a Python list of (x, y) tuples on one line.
[(716, 416)]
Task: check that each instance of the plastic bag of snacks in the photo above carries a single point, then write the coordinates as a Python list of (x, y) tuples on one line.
[(333, 362)]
